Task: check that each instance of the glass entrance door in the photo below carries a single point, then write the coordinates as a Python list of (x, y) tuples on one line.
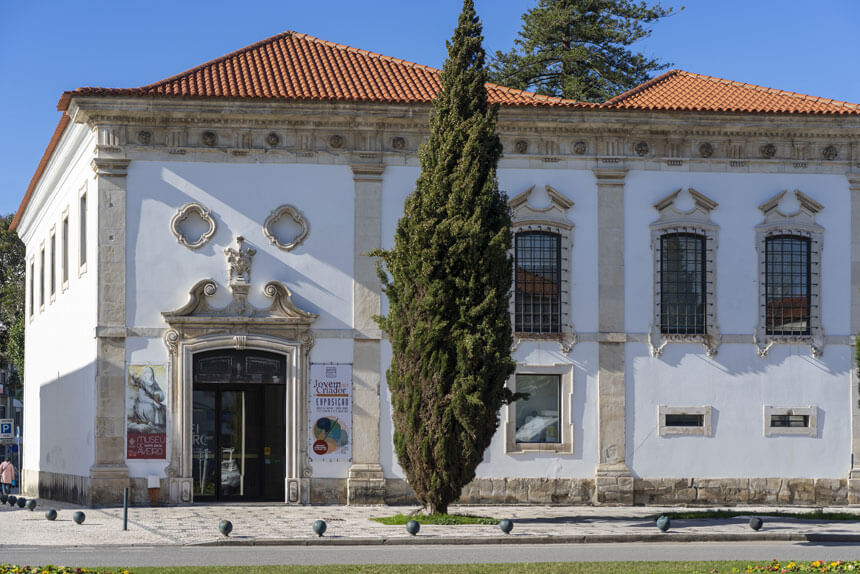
[(238, 426)]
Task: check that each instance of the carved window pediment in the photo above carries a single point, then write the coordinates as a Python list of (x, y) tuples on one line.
[(193, 225), (548, 219), (286, 227), (686, 215), (789, 219)]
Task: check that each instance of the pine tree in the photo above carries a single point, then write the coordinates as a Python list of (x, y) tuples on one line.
[(449, 284), (577, 49)]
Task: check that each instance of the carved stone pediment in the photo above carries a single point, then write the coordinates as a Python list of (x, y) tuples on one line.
[(671, 213), (239, 310), (553, 214)]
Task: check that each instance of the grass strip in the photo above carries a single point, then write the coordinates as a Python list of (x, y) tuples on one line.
[(442, 519)]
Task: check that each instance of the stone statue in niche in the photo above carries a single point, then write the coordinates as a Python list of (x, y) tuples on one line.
[(239, 263)]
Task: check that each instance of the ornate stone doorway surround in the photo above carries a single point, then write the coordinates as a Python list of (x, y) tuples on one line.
[(281, 328)]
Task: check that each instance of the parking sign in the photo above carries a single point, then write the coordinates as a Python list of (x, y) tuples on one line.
[(7, 429)]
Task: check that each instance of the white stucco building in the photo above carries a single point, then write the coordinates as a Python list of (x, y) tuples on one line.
[(200, 305)]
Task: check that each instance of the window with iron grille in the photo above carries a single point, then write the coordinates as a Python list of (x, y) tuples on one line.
[(787, 280), (537, 292), (682, 284)]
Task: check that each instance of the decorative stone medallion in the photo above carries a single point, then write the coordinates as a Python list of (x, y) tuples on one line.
[(767, 151), (706, 149), (286, 227), (192, 225), (336, 141), (398, 142), (273, 139), (641, 148), (830, 153), (522, 146), (209, 138), (579, 148), (144, 137)]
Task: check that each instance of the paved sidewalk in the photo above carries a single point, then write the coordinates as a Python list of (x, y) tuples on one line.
[(279, 524)]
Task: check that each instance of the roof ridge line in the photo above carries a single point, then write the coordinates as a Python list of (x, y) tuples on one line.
[(641, 87)]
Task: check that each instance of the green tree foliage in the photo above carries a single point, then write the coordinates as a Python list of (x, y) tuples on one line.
[(449, 284), (12, 277), (578, 49)]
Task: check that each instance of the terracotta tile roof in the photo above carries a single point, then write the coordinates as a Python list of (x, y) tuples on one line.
[(685, 91), (293, 66), (40, 169)]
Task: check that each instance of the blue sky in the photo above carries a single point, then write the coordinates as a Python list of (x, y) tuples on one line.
[(48, 46)]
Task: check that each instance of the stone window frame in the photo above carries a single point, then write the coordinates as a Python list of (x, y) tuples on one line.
[(32, 307), (184, 213), (64, 252), (802, 224), (52, 261), (41, 277), (83, 208), (549, 219), (564, 371), (696, 220), (298, 218), (810, 411), (664, 430)]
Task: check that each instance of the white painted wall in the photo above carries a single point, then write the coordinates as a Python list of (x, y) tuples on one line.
[(737, 383), (60, 345), (161, 271)]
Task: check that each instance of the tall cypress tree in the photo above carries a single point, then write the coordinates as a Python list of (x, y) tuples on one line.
[(449, 284)]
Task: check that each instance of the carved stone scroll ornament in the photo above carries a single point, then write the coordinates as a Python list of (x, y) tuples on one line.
[(276, 238), (183, 221)]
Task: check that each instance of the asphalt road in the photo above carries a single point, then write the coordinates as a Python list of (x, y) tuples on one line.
[(132, 556)]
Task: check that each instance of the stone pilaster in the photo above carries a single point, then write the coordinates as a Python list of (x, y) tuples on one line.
[(109, 474), (366, 483), (854, 474), (613, 483)]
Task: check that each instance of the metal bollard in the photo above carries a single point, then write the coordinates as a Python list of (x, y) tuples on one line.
[(125, 508)]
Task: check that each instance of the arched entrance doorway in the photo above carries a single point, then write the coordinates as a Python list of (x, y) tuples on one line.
[(238, 445)]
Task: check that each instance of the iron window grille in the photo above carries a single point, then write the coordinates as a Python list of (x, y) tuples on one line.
[(788, 276), (537, 294), (682, 284)]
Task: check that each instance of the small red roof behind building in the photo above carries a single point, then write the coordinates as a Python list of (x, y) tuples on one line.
[(685, 91)]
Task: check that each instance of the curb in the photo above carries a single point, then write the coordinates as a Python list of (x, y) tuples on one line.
[(526, 539)]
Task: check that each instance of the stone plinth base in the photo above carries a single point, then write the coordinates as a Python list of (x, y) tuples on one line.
[(613, 485), (528, 490), (107, 484), (366, 484), (742, 491)]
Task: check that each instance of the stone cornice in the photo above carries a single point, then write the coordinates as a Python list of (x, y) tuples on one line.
[(349, 133)]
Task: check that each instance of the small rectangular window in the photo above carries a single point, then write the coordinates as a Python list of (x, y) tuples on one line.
[(538, 416), (790, 421), (695, 421), (53, 273), (684, 420), (42, 276), (83, 226), (65, 250)]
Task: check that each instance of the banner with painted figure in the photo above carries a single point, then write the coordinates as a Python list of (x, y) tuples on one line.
[(146, 412), (330, 413)]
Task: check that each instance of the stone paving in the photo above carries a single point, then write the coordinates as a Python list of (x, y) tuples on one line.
[(271, 524)]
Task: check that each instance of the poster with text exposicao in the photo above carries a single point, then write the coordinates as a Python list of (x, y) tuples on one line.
[(330, 413)]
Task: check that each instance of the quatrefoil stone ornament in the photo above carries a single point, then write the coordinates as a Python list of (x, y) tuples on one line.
[(286, 227), (193, 225)]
